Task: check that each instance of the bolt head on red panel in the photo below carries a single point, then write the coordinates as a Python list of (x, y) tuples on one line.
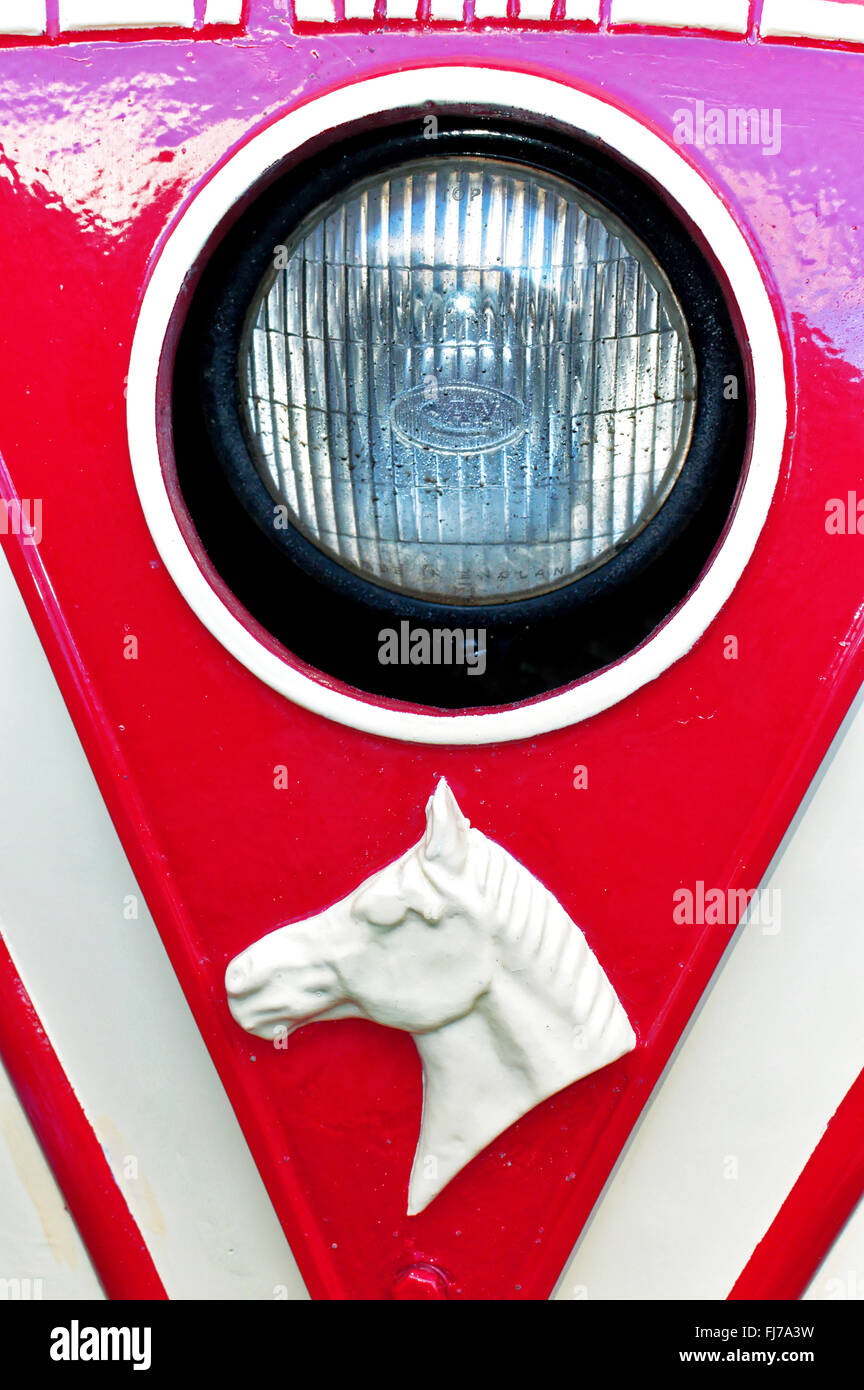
[(420, 1282)]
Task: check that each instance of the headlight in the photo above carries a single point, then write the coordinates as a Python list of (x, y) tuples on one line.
[(467, 381), (488, 381)]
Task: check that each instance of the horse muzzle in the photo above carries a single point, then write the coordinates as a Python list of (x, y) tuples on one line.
[(281, 982)]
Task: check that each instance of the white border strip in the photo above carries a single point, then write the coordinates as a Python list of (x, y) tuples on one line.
[(223, 12), (582, 9), (812, 19), (447, 11), (29, 17), (534, 9), (727, 16), (323, 11), (131, 14), (509, 92)]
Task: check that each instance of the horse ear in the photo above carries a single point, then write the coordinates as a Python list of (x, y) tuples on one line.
[(446, 839)]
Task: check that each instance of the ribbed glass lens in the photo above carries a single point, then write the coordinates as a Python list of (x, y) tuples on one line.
[(467, 381)]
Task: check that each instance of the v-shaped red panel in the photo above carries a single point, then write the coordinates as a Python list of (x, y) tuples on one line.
[(242, 811)]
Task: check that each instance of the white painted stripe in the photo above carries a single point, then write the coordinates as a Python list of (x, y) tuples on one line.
[(582, 9), (223, 12), (451, 11), (729, 16), (42, 1255), (401, 9), (490, 9), (358, 9), (24, 17), (773, 1051), (112, 1007), (535, 9), (813, 19), (130, 14), (573, 9), (315, 11)]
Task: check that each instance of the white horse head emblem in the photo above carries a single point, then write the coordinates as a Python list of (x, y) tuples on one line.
[(458, 944)]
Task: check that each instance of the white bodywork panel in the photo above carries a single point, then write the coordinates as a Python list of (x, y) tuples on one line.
[(772, 1052), (110, 1002), (41, 1254)]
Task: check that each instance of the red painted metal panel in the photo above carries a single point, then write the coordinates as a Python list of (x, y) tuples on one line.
[(693, 780)]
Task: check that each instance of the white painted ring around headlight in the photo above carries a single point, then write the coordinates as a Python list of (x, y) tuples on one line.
[(512, 93)]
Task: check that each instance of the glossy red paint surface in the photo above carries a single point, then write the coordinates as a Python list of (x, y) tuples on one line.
[(692, 780)]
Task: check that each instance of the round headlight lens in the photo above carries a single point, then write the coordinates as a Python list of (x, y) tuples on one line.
[(467, 381)]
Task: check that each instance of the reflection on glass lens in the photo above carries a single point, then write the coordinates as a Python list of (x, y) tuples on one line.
[(467, 381)]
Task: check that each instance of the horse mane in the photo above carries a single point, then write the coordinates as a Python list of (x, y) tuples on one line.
[(541, 942)]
